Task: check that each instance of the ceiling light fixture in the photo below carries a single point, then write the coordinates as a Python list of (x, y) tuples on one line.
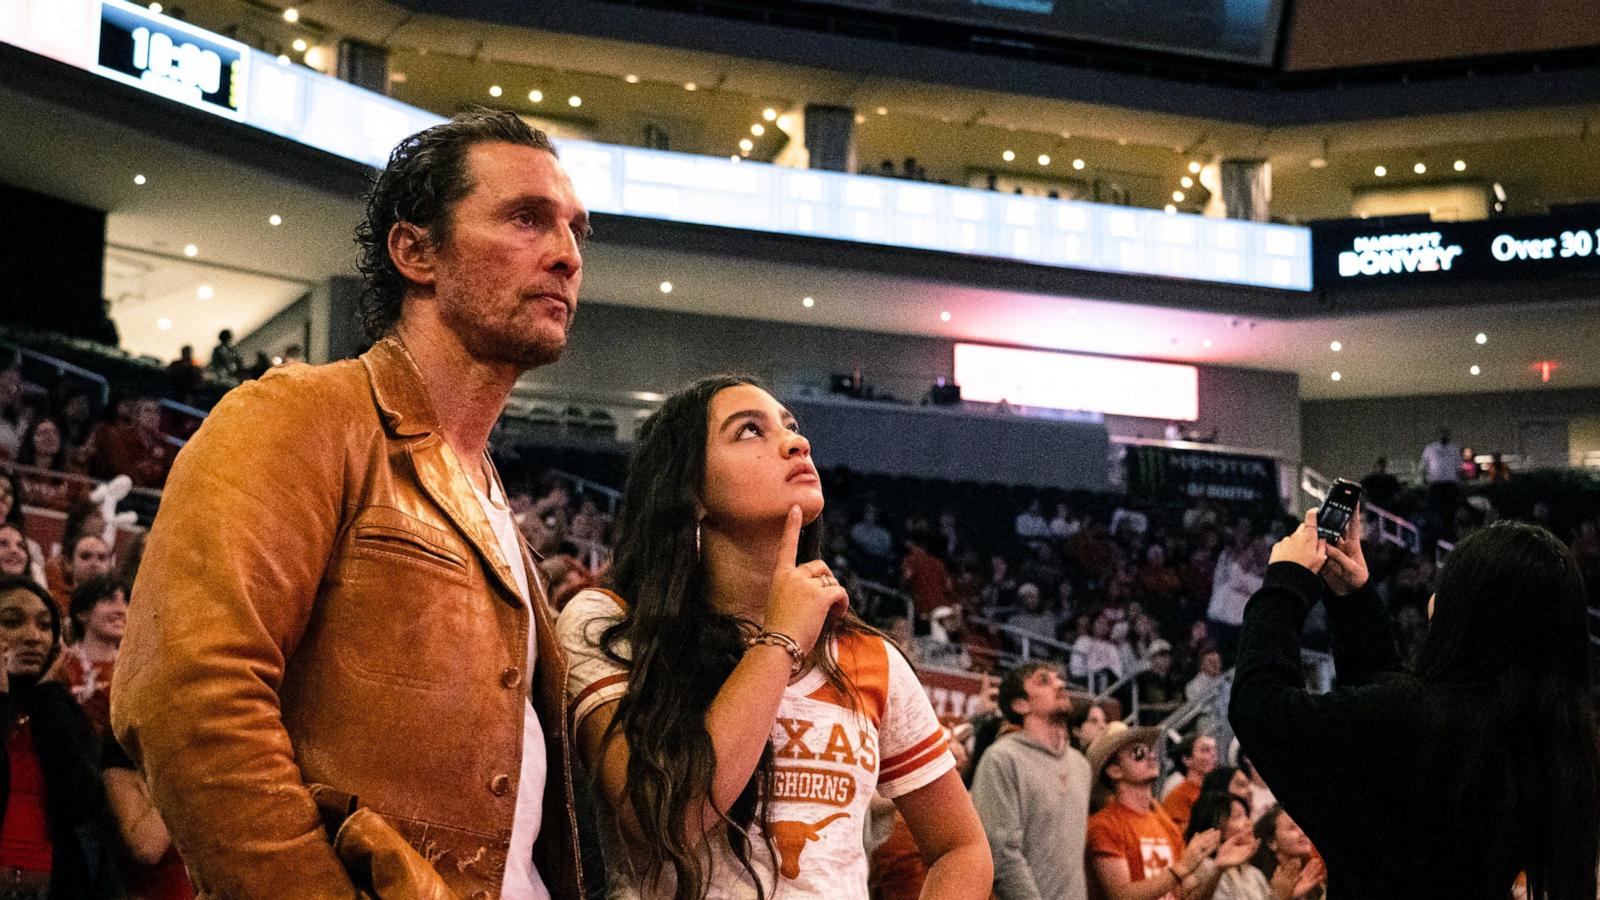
[(758, 129), (138, 179), (1475, 370), (283, 59), (300, 45), (574, 101), (1336, 376), (808, 302), (631, 78), (1482, 338), (191, 250), (1380, 171), (770, 114), (536, 96), (1078, 164), (666, 287), (274, 220), (291, 15), (1170, 209), (495, 90), (1194, 167), (1186, 181), (1008, 155), (156, 8), (1177, 196), (1206, 343), (944, 316), (1461, 165), (1044, 159), (746, 145), (1336, 346), (883, 110), (1319, 162), (204, 292), (164, 323), (690, 86), (1420, 168)]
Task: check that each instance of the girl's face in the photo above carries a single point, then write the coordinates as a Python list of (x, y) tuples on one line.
[(757, 463), (1239, 785), (25, 632), (13, 552), (1238, 820), (1288, 841), (1092, 726), (46, 441)]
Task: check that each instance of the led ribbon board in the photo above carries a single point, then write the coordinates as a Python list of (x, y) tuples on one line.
[(1355, 254), (1075, 381), (205, 71)]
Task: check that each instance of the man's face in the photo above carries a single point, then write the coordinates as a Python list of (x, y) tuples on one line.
[(1047, 696), (147, 415), (1211, 664), (507, 278), (1134, 764)]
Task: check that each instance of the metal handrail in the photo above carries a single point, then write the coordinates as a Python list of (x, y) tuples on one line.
[(1183, 715), (62, 367), (21, 469), (1026, 637), (584, 485)]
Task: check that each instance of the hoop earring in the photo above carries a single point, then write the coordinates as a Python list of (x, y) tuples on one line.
[(697, 539)]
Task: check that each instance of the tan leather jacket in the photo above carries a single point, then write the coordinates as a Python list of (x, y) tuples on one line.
[(322, 600)]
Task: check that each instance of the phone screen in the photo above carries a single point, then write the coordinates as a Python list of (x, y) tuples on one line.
[(1340, 505)]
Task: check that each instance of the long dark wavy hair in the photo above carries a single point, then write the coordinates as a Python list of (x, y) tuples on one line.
[(679, 648), (1516, 746)]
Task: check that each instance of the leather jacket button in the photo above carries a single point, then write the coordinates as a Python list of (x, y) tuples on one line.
[(511, 677), (499, 785)]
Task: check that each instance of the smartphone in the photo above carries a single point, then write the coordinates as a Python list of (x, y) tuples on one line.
[(1337, 508)]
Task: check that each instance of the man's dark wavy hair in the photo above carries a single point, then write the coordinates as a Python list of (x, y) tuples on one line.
[(424, 181)]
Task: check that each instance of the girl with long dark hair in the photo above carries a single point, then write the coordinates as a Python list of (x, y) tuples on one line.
[(49, 784), (1480, 765), (735, 715)]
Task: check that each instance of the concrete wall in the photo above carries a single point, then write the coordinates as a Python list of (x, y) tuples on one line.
[(1344, 437), (616, 348)]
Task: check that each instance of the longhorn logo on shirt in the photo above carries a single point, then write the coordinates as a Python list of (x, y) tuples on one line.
[(792, 837)]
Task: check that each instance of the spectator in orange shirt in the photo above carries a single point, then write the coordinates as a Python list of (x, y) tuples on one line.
[(1135, 851), (1197, 756), (924, 575), (136, 448)]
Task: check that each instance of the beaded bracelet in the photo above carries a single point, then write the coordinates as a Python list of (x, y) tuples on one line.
[(797, 660)]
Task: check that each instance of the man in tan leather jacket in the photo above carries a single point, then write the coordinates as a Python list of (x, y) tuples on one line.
[(332, 593)]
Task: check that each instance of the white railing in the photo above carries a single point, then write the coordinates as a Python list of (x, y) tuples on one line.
[(1387, 527)]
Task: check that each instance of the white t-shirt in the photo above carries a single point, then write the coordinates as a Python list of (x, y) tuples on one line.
[(522, 881), (829, 759)]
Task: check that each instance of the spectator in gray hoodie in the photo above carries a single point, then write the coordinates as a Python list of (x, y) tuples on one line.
[(1032, 792)]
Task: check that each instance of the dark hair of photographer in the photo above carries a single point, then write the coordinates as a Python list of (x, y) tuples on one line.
[(1481, 763)]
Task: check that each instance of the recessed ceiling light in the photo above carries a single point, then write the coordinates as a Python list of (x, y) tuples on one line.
[(1420, 168), (1170, 209), (138, 179), (283, 59), (274, 220), (291, 15), (1044, 159), (1008, 155), (1177, 196), (300, 45), (156, 8), (164, 323), (666, 287), (770, 114), (1206, 343), (1336, 346), (536, 96), (495, 90), (1194, 168), (1336, 376), (574, 101), (883, 110), (1186, 181), (1475, 370), (860, 119), (191, 250), (944, 316), (1461, 165), (1077, 164), (1318, 162), (631, 78), (758, 129), (734, 158), (746, 145), (1482, 338), (808, 302), (204, 292), (690, 86), (1380, 171)]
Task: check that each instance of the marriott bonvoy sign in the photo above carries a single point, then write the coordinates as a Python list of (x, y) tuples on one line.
[(1350, 254)]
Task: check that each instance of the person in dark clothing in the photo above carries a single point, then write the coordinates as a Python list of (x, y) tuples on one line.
[(49, 783), (1380, 486), (1450, 780)]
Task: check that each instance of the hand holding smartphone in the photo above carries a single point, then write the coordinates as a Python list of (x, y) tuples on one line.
[(1337, 510)]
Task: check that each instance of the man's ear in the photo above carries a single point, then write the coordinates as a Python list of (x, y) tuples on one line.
[(1019, 705), (412, 252)]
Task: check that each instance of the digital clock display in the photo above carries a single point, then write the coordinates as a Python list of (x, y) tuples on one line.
[(169, 58)]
